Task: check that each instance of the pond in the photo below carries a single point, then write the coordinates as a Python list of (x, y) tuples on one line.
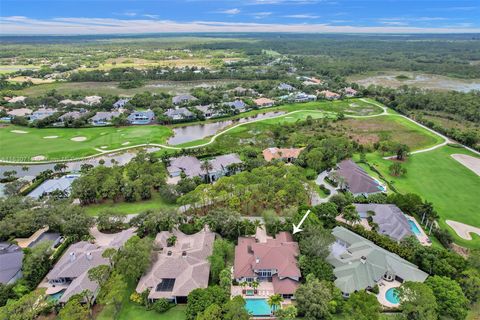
[(200, 131)]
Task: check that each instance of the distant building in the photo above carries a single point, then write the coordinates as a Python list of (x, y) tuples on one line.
[(263, 102), (329, 95), (183, 98), (192, 167), (103, 118), (92, 100), (71, 102), (19, 99), (353, 178), (179, 114), (237, 105), (61, 184), (299, 97), (268, 260), (21, 112), (287, 154), (360, 264), (179, 268), (349, 92), (41, 114), (120, 103), (208, 110), (390, 219), (11, 257), (285, 86), (73, 115), (141, 117)]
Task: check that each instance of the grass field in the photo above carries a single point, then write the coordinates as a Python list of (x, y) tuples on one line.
[(125, 208), (132, 311), (399, 129), (440, 179), (24, 146)]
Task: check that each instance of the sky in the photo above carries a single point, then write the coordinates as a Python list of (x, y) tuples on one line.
[(64, 17)]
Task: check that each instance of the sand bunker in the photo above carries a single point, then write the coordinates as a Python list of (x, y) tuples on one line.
[(18, 131), (38, 158), (103, 147), (470, 162), (126, 143), (50, 137), (463, 230), (78, 139)]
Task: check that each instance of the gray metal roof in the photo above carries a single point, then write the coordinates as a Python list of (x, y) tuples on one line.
[(358, 181), (183, 98), (63, 184), (191, 166), (390, 219), (11, 257), (359, 263)]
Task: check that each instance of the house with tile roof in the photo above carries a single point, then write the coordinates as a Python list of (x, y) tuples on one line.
[(263, 102), (179, 114), (271, 260), (360, 264), (41, 114), (209, 110), (192, 166), (69, 276), (286, 154), (183, 98), (63, 184), (350, 92), (285, 86), (330, 95), (103, 118), (236, 105), (353, 178), (389, 218), (179, 268)]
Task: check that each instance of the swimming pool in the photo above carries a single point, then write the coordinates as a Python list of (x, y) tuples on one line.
[(414, 228), (258, 307), (392, 296), (57, 296)]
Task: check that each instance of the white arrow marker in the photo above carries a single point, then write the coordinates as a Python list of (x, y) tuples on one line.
[(297, 228)]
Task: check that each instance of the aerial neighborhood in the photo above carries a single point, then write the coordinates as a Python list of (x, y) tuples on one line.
[(225, 177)]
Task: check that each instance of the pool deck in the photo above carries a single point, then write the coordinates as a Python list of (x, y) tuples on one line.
[(422, 238), (383, 286), (264, 290)]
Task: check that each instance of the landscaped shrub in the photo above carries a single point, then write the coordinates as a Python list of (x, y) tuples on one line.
[(162, 305), (324, 189)]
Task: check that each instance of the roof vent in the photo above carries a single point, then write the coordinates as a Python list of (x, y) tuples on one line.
[(72, 256), (89, 256), (184, 253), (257, 260), (169, 253), (363, 259)]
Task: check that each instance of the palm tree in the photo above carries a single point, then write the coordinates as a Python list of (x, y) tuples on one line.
[(206, 166), (350, 214), (275, 301), (25, 168), (60, 167)]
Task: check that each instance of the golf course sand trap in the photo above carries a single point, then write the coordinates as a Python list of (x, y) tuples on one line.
[(463, 230), (79, 139), (470, 162), (50, 137), (103, 147), (126, 143), (38, 158), (18, 131)]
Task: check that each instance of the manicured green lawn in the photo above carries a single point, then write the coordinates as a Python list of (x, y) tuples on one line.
[(440, 179), (24, 146), (129, 207)]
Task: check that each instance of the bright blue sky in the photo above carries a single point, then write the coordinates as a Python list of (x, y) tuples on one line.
[(139, 16)]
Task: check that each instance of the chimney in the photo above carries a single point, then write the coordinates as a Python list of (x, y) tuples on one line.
[(89, 256), (257, 260), (184, 254), (72, 256)]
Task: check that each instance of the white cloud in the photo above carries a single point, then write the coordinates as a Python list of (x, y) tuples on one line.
[(302, 16), (230, 11), (67, 26), (151, 16), (260, 15)]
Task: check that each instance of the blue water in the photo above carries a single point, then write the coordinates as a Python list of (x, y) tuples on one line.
[(392, 296), (57, 296), (414, 228), (258, 307)]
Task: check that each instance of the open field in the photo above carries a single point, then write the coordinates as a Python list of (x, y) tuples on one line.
[(399, 129), (125, 208), (111, 88), (395, 79), (440, 179), (15, 67), (24, 146)]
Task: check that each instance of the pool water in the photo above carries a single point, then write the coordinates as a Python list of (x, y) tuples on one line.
[(414, 228), (57, 296), (392, 296), (258, 307)]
